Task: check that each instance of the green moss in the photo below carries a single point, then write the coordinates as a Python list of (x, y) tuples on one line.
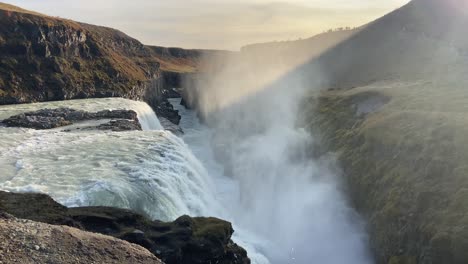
[(212, 228), (402, 260), (405, 166)]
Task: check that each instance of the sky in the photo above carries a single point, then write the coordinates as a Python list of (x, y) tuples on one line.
[(216, 24)]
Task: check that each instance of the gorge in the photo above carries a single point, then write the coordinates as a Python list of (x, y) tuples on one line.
[(347, 147)]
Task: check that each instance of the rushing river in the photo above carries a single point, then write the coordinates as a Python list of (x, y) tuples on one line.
[(164, 176)]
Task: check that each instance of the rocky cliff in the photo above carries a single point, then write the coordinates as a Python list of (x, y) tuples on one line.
[(45, 58), (187, 240)]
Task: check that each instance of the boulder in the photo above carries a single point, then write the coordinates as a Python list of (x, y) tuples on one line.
[(59, 117)]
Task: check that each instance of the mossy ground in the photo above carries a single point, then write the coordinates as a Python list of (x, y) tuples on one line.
[(405, 165)]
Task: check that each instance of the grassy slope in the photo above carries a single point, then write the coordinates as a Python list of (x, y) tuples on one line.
[(406, 165), (8, 7)]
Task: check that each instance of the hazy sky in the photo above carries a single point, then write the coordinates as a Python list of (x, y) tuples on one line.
[(221, 24)]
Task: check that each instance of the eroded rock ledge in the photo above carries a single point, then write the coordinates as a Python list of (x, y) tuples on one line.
[(186, 240), (60, 117), (25, 241)]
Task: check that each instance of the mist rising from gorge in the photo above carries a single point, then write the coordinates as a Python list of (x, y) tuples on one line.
[(288, 197)]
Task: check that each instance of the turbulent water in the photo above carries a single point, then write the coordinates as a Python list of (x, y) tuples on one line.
[(150, 171), (163, 176)]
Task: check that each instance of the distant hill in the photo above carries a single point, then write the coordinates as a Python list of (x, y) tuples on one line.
[(297, 52), (423, 38)]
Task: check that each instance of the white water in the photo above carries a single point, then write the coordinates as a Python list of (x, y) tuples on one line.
[(158, 174), (287, 208), (152, 172)]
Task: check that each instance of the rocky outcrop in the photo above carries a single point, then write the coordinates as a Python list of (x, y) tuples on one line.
[(24, 241), (119, 125), (168, 125), (52, 118), (187, 240), (46, 58)]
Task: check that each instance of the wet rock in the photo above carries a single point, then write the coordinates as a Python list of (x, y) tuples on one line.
[(194, 240), (52, 118), (166, 110), (123, 114), (169, 126), (120, 125), (36, 122)]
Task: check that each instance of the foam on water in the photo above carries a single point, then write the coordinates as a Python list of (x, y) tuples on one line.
[(151, 172)]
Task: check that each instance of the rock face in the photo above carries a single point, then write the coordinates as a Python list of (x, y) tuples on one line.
[(45, 58), (120, 125), (24, 241), (170, 126), (186, 240), (52, 118)]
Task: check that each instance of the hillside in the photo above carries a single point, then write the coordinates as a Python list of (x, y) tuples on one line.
[(394, 113), (393, 110), (423, 38), (47, 58), (296, 53)]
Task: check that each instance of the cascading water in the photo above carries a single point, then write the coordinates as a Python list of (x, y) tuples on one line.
[(288, 195), (152, 172), (276, 219)]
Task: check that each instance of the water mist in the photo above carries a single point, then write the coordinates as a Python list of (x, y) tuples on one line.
[(286, 197)]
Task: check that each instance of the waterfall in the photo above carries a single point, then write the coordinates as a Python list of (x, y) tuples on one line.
[(152, 172), (146, 116)]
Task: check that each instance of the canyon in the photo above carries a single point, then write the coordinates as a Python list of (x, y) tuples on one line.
[(350, 145)]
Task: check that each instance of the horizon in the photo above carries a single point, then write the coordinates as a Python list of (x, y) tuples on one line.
[(209, 24)]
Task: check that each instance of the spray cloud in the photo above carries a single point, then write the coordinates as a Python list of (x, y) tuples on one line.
[(286, 196)]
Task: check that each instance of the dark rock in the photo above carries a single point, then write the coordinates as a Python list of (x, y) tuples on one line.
[(36, 207), (187, 240), (120, 125), (124, 114), (184, 103), (36, 122), (165, 109), (52, 118), (169, 126)]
